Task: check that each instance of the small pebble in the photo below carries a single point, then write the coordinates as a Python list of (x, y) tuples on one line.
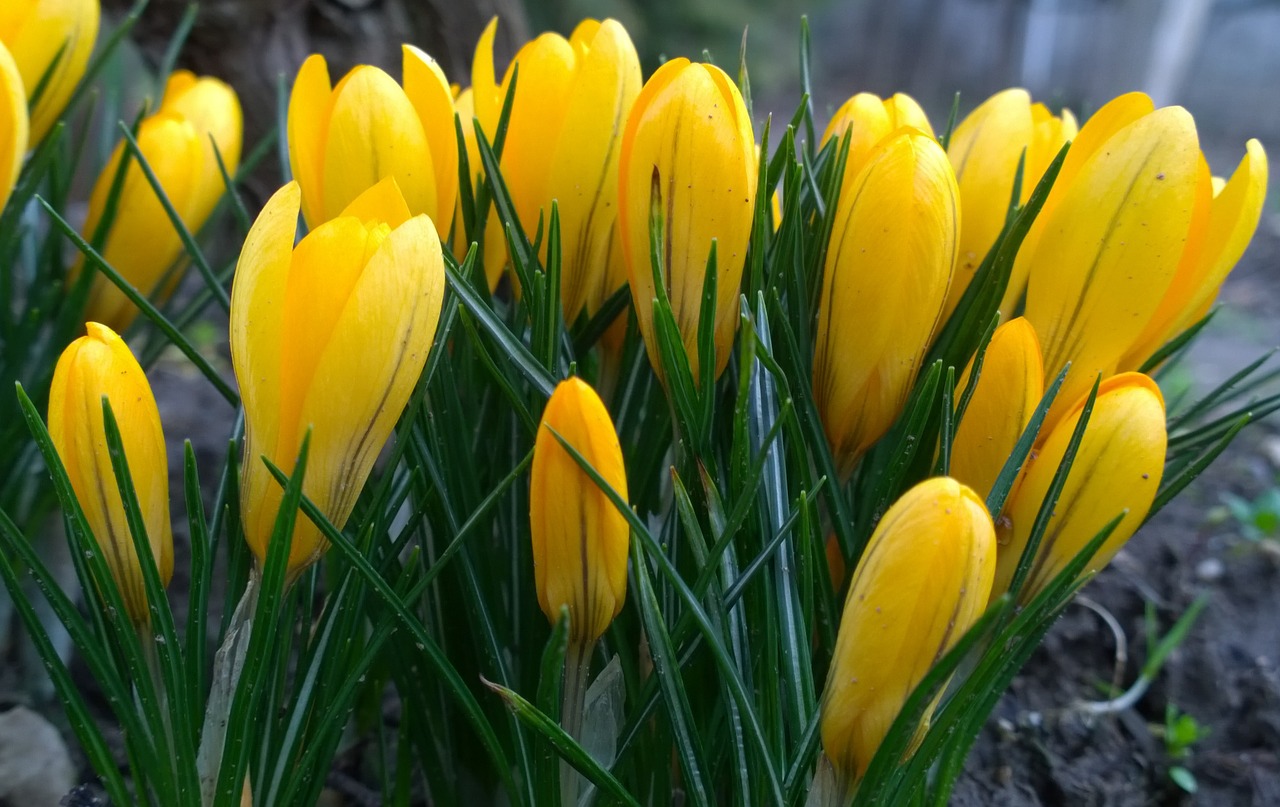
[(1210, 570)]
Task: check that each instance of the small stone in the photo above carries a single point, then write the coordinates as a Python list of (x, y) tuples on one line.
[(1210, 570), (35, 768)]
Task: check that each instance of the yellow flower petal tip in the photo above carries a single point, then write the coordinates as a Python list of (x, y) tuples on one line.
[(688, 153), (51, 42), (199, 121), (14, 125), (346, 138), (580, 540), (92, 367), (868, 119), (328, 336), (900, 210), (1117, 470), (923, 580)]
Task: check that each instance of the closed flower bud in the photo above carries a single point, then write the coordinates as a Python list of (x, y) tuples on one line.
[(344, 139), (92, 367), (1105, 248), (580, 540), (571, 102), (870, 120), (688, 150), (51, 41), (887, 270), (1116, 470), (331, 336), (923, 580), (142, 243), (1231, 212), (1009, 389), (985, 149), (13, 124)]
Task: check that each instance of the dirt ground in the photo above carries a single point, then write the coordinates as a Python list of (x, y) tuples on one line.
[(1039, 748)]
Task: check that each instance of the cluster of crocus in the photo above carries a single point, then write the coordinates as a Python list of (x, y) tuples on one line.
[(198, 122)]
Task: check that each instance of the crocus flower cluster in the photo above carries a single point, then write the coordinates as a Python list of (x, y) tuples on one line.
[(330, 330)]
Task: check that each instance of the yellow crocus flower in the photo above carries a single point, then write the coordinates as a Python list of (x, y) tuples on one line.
[(580, 540), (92, 367), (344, 139), (571, 103), (142, 244), (1009, 390), (870, 119), (985, 150), (1117, 470), (13, 124), (51, 41), (688, 150), (330, 335), (1106, 247), (923, 580), (887, 271)]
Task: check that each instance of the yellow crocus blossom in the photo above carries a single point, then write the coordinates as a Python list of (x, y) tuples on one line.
[(688, 152), (331, 336), (92, 367), (50, 41), (580, 539)]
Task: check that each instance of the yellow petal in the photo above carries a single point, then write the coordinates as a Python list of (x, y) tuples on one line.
[(13, 124), (1110, 247), (584, 168), (1117, 469), (382, 203), (688, 140), (94, 366), (484, 83), (923, 580), (580, 539), (871, 120), (985, 149), (428, 90), (874, 325), (53, 38), (370, 362), (214, 111), (142, 243), (374, 133), (257, 342), (1228, 226), (308, 124), (1113, 116), (465, 107), (1009, 389)]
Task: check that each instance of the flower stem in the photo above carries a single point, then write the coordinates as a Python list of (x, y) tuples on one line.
[(577, 666)]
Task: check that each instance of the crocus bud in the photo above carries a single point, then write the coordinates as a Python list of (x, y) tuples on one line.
[(869, 120), (1223, 233), (571, 103), (51, 41), (887, 270), (93, 367), (1102, 254), (344, 139), (331, 336), (580, 539), (13, 124), (1117, 470), (1009, 389), (688, 157), (142, 243), (985, 150), (923, 580)]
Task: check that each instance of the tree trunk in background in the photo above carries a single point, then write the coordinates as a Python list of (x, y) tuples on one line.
[(250, 43)]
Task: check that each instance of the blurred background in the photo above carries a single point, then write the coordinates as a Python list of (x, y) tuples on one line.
[(1219, 58)]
